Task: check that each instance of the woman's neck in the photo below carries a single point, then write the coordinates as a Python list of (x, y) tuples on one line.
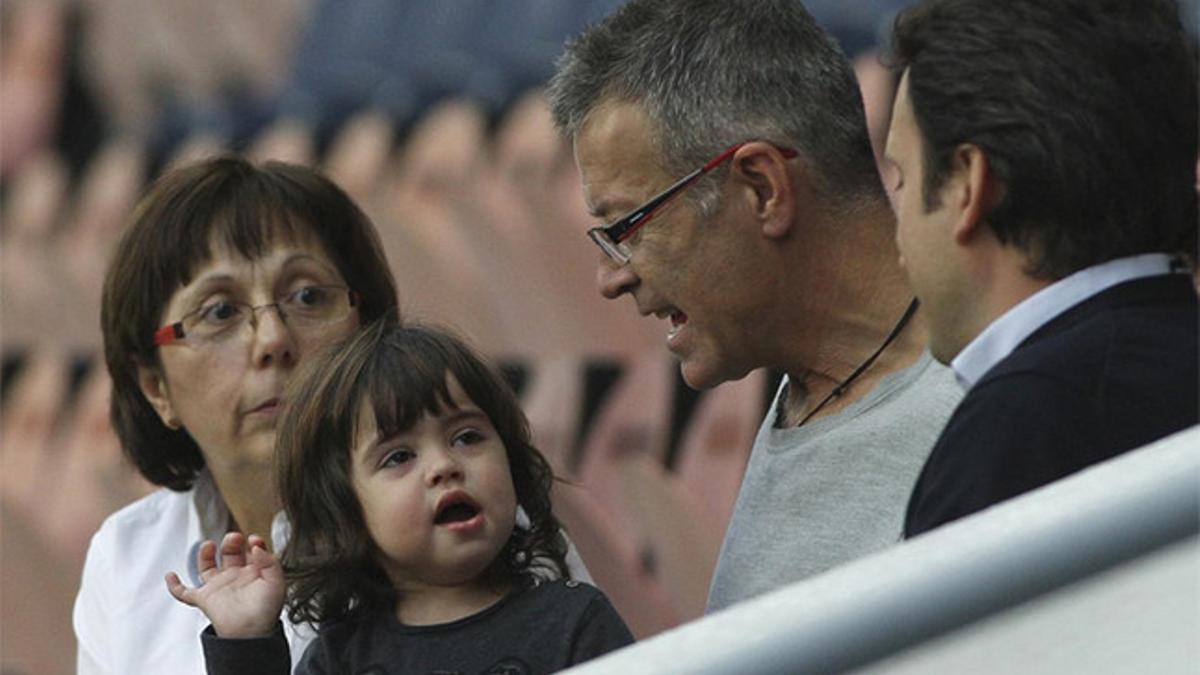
[(427, 605), (249, 494)]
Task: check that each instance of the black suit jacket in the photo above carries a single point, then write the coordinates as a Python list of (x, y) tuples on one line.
[(1115, 372)]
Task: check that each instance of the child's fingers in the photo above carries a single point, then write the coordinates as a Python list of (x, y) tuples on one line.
[(255, 541), (206, 560), (267, 564), (178, 590), (233, 551)]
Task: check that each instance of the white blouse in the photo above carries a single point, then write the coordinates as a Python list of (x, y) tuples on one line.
[(126, 622)]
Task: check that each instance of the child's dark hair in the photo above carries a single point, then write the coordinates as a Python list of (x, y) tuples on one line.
[(330, 560)]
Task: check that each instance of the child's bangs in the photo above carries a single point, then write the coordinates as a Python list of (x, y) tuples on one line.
[(405, 387)]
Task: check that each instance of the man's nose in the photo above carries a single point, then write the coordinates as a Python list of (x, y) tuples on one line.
[(615, 280)]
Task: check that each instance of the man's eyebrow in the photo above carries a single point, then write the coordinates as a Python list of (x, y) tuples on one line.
[(597, 210), (607, 212)]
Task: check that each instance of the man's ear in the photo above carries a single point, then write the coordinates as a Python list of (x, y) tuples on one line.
[(973, 191), (767, 179), (153, 384)]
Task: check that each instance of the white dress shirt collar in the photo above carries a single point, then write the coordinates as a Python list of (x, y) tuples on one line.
[(1003, 335)]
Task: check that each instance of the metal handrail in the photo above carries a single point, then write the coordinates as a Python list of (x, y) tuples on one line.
[(861, 612)]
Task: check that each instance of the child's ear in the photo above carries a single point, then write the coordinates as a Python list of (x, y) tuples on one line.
[(153, 384)]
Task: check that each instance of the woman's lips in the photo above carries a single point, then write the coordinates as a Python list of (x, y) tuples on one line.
[(267, 407)]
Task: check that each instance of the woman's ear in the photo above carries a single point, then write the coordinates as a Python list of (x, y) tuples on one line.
[(153, 384), (765, 173)]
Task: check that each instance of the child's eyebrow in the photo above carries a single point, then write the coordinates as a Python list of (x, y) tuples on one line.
[(466, 413), (364, 452), (364, 449)]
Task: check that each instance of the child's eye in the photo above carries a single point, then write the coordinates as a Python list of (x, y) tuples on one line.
[(467, 437), (397, 458)]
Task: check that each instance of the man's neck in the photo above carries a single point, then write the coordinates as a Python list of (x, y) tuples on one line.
[(813, 395), (1035, 303), (855, 295), (997, 282)]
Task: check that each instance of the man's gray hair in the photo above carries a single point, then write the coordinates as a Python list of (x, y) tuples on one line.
[(712, 73)]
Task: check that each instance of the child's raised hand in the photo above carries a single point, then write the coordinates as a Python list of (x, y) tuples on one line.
[(242, 598)]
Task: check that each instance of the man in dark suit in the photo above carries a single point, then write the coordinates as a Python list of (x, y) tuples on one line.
[(1042, 162)]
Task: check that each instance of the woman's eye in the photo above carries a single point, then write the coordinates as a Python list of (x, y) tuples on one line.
[(219, 313), (397, 458), (311, 296)]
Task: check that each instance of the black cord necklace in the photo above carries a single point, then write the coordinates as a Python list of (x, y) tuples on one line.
[(841, 388)]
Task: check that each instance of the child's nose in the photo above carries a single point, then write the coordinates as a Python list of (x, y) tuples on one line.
[(443, 466)]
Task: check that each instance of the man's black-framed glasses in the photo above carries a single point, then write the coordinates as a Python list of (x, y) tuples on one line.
[(612, 238)]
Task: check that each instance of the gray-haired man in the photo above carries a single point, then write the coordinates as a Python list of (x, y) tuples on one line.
[(724, 146)]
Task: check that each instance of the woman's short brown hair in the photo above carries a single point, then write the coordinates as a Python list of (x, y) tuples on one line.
[(246, 206)]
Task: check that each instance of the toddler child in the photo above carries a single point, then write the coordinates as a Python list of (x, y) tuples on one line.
[(402, 459)]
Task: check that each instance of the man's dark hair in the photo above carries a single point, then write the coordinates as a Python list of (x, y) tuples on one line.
[(1085, 109)]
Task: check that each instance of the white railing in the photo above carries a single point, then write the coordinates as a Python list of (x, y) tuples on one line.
[(1109, 516)]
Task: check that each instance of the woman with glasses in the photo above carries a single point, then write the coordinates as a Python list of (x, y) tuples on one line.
[(229, 276)]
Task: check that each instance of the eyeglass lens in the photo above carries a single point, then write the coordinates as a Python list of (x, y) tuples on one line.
[(307, 307)]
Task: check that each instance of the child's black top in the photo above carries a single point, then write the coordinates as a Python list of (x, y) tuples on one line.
[(540, 629)]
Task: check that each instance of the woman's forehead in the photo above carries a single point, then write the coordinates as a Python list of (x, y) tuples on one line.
[(226, 267), (233, 230), (278, 245)]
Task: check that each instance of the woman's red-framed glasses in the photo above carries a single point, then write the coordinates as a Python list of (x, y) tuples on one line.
[(218, 321)]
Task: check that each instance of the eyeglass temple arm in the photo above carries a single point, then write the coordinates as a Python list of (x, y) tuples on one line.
[(168, 333), (631, 222)]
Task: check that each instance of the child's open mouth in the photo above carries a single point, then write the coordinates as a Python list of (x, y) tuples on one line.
[(457, 509)]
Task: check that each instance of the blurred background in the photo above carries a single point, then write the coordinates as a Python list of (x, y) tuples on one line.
[(430, 114)]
